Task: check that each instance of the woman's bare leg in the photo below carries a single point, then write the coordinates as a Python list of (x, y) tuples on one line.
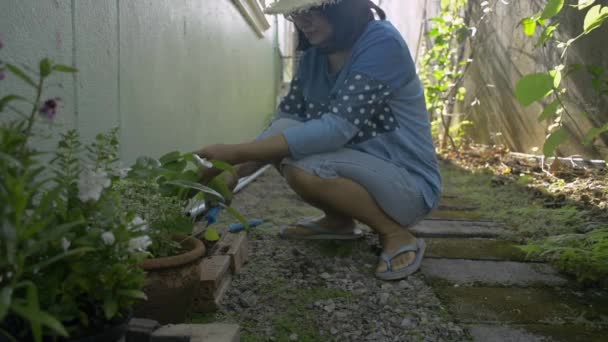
[(343, 199)]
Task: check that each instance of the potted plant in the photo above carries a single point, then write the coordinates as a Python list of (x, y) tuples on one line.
[(69, 253), (159, 192)]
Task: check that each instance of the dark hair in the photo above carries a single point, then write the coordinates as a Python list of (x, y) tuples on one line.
[(348, 19)]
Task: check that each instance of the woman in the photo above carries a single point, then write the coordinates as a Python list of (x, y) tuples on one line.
[(352, 137)]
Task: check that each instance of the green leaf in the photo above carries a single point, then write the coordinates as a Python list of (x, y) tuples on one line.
[(110, 307), (5, 301), (218, 164), (21, 74), (211, 234), (557, 78), (195, 186), (234, 213), (5, 100), (595, 17), (64, 68), (40, 317), (170, 157), (135, 294), (547, 34), (46, 66), (594, 133), (552, 9), (529, 26), (549, 111), (555, 139), (534, 87), (56, 258)]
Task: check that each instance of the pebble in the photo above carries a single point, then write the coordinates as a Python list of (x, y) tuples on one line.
[(343, 299)]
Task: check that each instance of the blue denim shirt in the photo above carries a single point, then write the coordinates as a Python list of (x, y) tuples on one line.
[(374, 104)]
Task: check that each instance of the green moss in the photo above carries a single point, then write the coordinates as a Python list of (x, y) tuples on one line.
[(482, 249), (550, 232), (509, 203)]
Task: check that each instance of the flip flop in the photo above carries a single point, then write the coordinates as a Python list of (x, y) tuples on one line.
[(321, 233), (419, 247)]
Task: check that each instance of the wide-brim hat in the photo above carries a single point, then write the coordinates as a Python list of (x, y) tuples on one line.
[(295, 6)]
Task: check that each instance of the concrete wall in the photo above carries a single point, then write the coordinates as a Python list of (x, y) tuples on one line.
[(504, 54), (409, 18), (172, 74)]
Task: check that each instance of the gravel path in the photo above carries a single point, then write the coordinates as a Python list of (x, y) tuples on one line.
[(323, 290)]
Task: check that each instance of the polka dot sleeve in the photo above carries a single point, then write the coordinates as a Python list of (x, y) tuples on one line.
[(364, 103)]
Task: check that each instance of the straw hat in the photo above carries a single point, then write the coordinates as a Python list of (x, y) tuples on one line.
[(294, 6)]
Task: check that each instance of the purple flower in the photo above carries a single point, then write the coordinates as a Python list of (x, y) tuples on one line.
[(49, 108)]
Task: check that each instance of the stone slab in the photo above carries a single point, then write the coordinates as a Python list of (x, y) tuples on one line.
[(197, 333), (455, 214), (473, 248), (537, 332), (484, 333), (492, 273), (457, 228), (140, 329), (497, 305)]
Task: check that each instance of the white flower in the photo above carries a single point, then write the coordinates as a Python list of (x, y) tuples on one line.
[(140, 244), (91, 184), (108, 238), (138, 225), (122, 173), (65, 244)]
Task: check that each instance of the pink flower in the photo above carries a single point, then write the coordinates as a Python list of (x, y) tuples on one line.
[(49, 108)]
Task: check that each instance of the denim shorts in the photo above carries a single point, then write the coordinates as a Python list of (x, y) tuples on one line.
[(393, 188)]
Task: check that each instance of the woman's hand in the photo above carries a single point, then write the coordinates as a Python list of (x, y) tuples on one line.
[(224, 152)]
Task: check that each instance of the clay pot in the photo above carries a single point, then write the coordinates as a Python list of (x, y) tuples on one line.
[(171, 284)]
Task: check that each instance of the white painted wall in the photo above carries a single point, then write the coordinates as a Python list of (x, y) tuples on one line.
[(172, 74)]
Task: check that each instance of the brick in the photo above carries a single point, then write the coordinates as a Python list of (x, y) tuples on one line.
[(197, 333), (213, 270), (207, 304), (238, 252), (235, 246), (140, 329)]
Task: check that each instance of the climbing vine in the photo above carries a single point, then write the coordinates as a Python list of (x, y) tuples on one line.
[(548, 87), (449, 52)]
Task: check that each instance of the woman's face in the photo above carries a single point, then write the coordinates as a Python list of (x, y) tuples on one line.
[(314, 25)]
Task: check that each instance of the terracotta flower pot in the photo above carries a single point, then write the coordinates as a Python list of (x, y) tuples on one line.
[(171, 284)]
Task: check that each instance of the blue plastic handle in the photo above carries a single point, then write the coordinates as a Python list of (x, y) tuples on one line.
[(237, 227), (212, 215)]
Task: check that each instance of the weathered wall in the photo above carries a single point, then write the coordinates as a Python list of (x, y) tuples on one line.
[(504, 54), (172, 74), (409, 18)]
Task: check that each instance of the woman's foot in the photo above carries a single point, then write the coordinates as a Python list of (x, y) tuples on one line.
[(391, 243)]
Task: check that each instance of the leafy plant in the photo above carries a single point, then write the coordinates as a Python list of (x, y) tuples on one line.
[(548, 86), (69, 254), (583, 255), (174, 178), (443, 66)]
